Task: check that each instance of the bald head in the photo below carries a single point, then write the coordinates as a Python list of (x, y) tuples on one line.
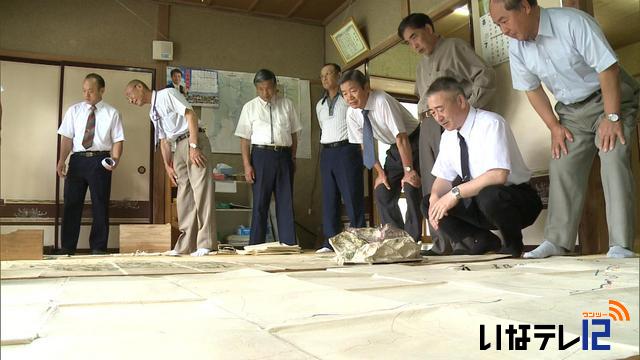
[(137, 92)]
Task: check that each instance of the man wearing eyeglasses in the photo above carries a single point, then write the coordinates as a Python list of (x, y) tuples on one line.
[(482, 183), (440, 57)]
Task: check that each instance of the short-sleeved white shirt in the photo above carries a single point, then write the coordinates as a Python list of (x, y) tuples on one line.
[(108, 130), (171, 107), (258, 117), (332, 119), (491, 145), (388, 118)]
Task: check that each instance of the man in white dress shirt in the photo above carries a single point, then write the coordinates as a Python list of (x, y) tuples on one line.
[(482, 183), (340, 160), (597, 107), (374, 114), (440, 56), (91, 131), (268, 129), (175, 122)]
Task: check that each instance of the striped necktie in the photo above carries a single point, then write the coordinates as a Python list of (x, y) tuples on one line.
[(90, 129)]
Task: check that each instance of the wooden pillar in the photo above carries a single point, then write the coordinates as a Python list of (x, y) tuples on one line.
[(161, 186)]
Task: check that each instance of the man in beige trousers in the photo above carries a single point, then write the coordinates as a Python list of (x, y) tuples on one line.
[(175, 122)]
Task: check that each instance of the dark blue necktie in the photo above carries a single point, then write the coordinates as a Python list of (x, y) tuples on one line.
[(368, 157), (464, 159)]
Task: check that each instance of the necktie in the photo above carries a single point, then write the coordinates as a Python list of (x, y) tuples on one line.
[(90, 129), (368, 157), (464, 159)]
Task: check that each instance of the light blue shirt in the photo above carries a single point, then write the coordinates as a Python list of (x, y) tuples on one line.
[(567, 55)]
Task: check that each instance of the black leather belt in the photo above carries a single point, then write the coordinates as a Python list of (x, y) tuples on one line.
[(186, 135), (336, 144), (272, 147), (590, 97), (91, 153)]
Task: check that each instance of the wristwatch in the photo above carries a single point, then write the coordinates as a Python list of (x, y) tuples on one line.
[(408, 168), (613, 117), (193, 146), (456, 192)]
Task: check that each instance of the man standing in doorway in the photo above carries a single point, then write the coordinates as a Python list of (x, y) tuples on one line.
[(91, 131)]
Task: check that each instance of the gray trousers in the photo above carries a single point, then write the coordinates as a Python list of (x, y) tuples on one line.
[(195, 200), (569, 175)]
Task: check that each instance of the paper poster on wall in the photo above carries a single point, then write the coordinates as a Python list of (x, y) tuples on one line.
[(495, 45), (200, 85)]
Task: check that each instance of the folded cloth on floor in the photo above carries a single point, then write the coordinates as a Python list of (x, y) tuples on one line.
[(375, 245)]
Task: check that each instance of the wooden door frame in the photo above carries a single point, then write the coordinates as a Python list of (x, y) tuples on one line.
[(66, 63)]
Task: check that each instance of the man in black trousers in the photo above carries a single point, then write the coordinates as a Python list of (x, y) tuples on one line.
[(374, 114), (92, 131), (268, 129), (482, 183)]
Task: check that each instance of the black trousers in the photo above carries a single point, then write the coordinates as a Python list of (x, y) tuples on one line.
[(274, 175), (341, 169), (497, 207), (83, 173), (387, 200)]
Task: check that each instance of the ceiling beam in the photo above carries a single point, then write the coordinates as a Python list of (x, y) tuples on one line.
[(295, 8)]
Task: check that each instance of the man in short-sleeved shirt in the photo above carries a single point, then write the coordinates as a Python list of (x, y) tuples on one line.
[(481, 179), (268, 128), (91, 131), (176, 123), (597, 105), (340, 160), (442, 57), (376, 115)]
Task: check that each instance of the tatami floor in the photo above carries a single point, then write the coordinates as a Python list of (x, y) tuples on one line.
[(306, 307)]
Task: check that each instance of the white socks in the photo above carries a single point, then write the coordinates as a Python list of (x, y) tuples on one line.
[(201, 252), (546, 249), (324, 250), (620, 252)]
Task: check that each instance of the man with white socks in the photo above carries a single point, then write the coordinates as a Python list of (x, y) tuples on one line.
[(175, 122), (565, 49)]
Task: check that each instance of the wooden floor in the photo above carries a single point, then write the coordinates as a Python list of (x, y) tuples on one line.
[(306, 307)]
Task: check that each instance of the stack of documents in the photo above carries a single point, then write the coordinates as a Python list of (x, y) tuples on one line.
[(270, 248)]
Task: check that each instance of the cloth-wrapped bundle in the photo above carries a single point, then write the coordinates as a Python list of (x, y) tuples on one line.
[(375, 245)]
